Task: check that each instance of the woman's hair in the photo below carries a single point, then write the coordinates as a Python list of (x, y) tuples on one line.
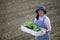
[(37, 17)]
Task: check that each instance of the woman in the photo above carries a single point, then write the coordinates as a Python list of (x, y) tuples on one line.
[(43, 21)]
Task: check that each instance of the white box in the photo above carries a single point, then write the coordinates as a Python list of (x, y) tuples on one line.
[(32, 32)]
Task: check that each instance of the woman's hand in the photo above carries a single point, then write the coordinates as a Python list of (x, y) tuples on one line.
[(46, 31)]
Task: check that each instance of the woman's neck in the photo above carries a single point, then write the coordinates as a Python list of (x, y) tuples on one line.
[(41, 16)]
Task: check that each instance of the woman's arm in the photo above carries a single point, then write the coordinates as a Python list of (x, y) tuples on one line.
[(34, 20), (48, 24)]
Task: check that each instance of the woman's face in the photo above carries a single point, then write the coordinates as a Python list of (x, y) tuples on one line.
[(41, 13)]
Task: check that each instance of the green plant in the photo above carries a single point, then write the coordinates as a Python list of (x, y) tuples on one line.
[(31, 25)]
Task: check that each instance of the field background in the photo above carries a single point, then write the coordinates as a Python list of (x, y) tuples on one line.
[(13, 13)]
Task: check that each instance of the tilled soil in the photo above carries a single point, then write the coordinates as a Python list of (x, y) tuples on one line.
[(13, 13)]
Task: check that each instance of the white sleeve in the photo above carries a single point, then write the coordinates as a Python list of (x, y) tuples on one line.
[(34, 20), (47, 23)]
